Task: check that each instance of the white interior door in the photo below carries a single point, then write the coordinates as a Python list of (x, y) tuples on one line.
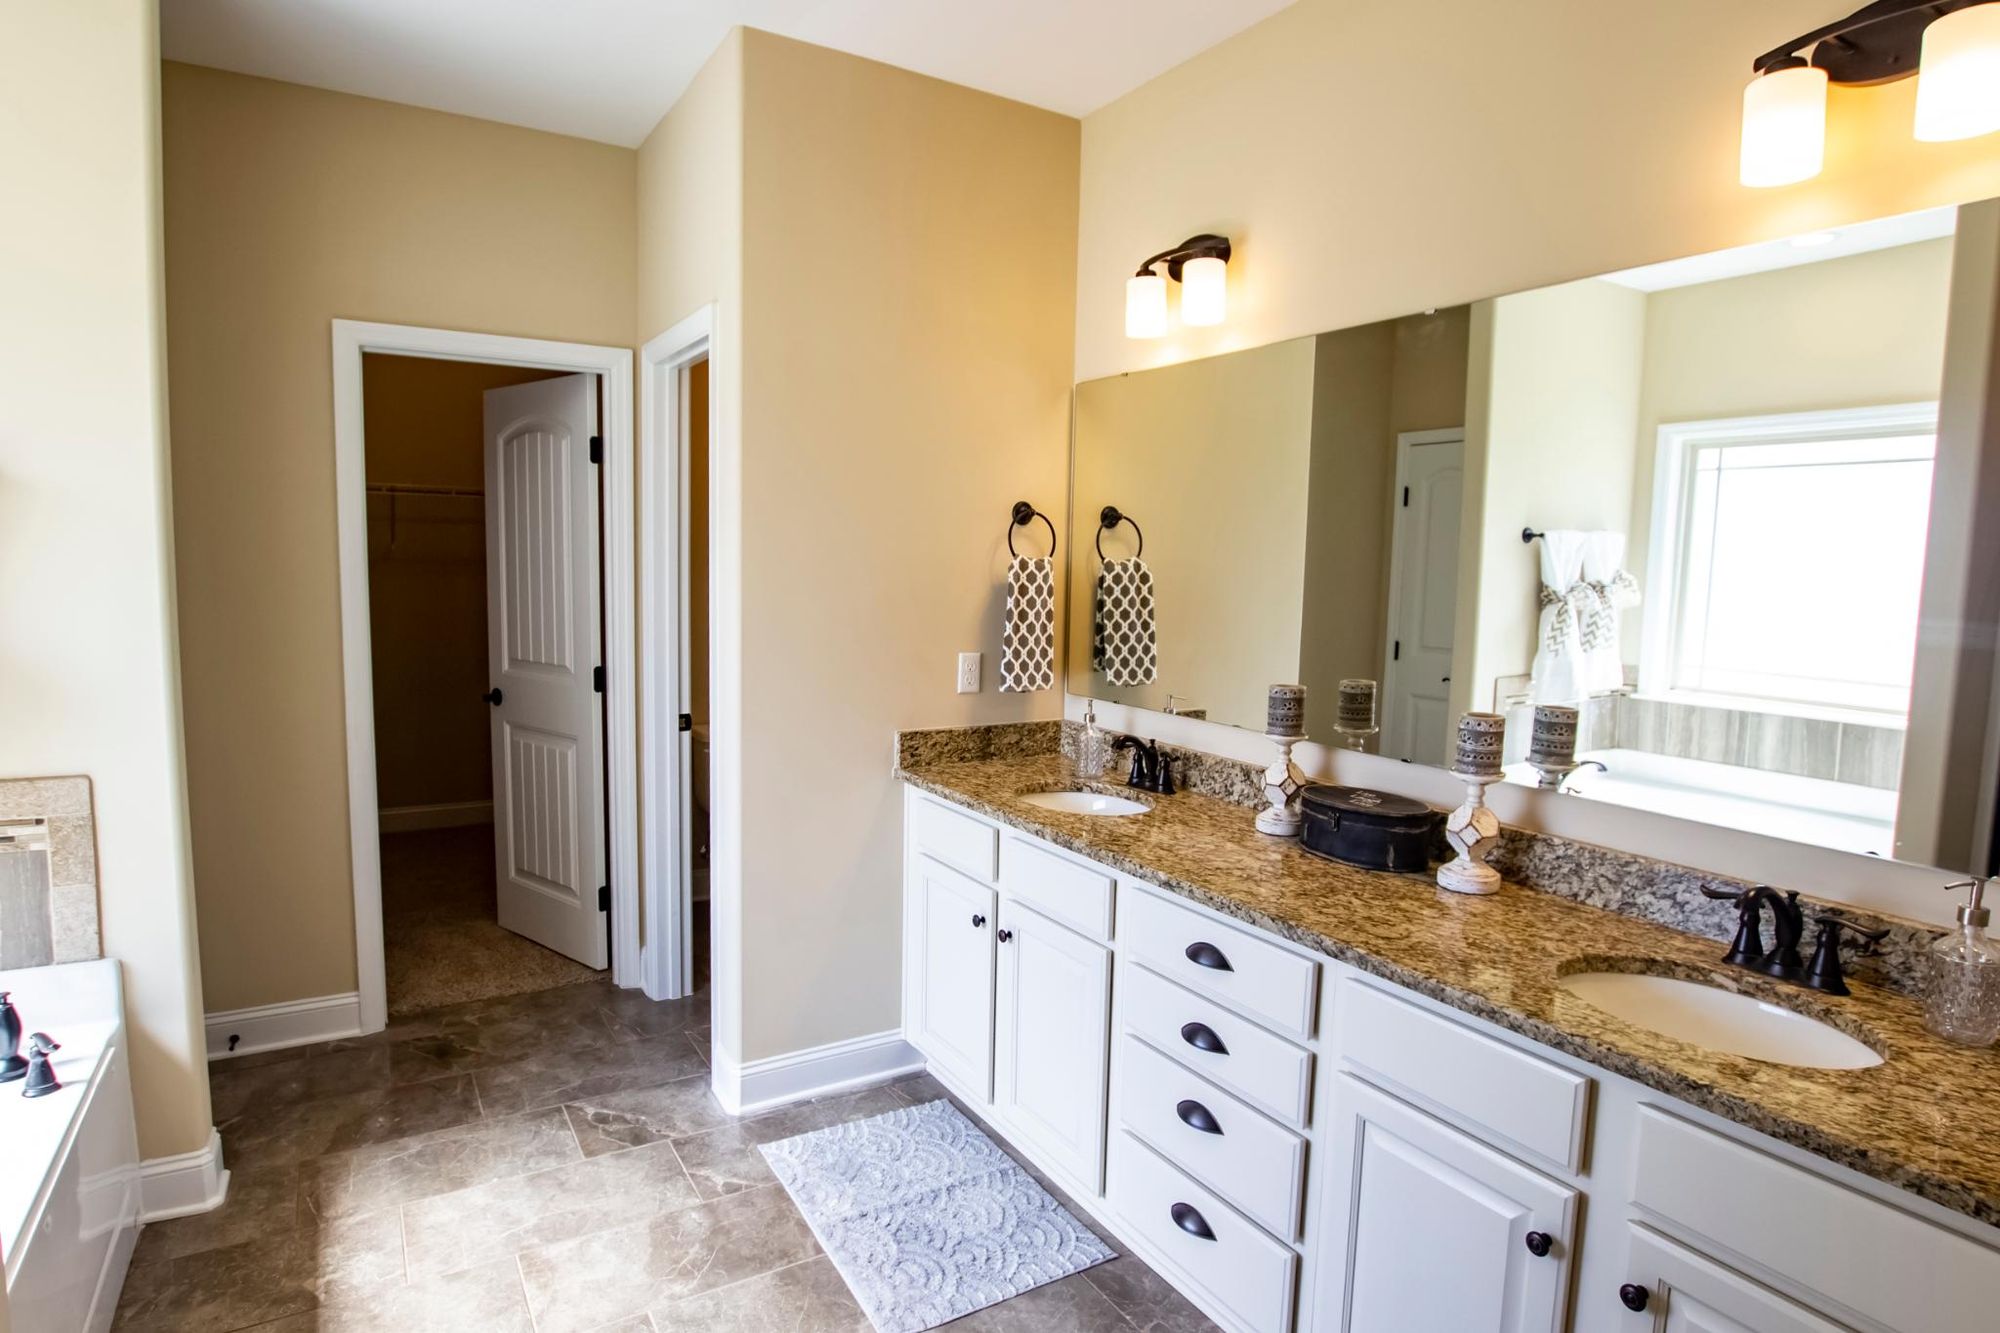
[(542, 649), (1423, 595)]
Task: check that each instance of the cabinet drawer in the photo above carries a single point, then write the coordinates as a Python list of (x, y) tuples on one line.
[(1235, 966), (1233, 1264), (1077, 895), (1536, 1106), (958, 839), (1267, 1070), (1870, 1257), (1256, 1164)]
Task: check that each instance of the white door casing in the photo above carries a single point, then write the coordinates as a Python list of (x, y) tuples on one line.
[(543, 650), (1423, 594)]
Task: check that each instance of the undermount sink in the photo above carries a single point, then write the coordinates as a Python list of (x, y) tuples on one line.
[(1084, 803), (1719, 1020)]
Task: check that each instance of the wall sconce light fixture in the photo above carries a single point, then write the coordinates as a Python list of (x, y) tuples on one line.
[(1200, 264), (1952, 46)]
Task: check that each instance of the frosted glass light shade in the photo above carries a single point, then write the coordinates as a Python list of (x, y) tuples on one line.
[(1204, 291), (1146, 306), (1784, 126), (1958, 79)]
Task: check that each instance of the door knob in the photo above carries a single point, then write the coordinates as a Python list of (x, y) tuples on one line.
[(1540, 1243), (1005, 935), (493, 696), (978, 920), (1635, 1296)]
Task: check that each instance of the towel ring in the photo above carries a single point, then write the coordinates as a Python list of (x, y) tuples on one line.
[(1024, 514), (1110, 518)]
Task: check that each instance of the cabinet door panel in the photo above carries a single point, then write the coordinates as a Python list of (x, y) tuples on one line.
[(955, 992), (1692, 1293), (1055, 1019), (1437, 1225)]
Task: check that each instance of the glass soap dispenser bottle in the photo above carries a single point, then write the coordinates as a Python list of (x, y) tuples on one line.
[(1962, 981), (1093, 749)]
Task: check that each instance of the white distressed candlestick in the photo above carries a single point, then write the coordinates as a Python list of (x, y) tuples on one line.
[(1283, 781), (1474, 831)]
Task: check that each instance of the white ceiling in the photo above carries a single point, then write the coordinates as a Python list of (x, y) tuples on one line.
[(1791, 251), (609, 69)]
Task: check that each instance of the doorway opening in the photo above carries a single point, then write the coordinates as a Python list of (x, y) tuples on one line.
[(485, 618), (694, 669), (559, 683)]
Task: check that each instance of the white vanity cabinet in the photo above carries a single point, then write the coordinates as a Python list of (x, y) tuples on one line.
[(1297, 1145)]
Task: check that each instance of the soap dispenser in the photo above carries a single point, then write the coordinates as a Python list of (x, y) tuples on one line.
[(1962, 975), (1093, 748)]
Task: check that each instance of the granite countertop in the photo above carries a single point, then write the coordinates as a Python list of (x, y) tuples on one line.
[(1924, 1120)]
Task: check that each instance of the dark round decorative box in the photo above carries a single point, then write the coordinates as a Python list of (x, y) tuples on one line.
[(1367, 828)]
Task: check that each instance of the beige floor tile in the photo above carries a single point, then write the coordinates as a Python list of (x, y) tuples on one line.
[(289, 1133), (488, 1299), (452, 1231), (567, 1075), (809, 1297), (1071, 1305), (619, 1120), (260, 1206), (1146, 1299), (439, 1163), (233, 1287), (578, 1284), (726, 1161)]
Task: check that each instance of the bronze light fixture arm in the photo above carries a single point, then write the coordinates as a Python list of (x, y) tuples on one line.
[(1204, 246), (1878, 43)]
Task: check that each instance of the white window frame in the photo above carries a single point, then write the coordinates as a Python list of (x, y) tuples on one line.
[(1666, 560)]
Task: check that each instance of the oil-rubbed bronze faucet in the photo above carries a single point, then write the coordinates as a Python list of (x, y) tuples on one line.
[(1151, 770), (1788, 925)]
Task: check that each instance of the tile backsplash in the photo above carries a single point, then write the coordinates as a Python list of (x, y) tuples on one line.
[(48, 872)]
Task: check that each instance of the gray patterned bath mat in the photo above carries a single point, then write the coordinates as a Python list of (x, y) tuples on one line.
[(926, 1218)]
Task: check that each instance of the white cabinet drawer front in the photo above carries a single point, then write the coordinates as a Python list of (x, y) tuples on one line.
[(1077, 895), (1232, 964), (1870, 1257), (1253, 1162), (1215, 1042), (1536, 1106), (1233, 1263), (1691, 1293), (956, 838)]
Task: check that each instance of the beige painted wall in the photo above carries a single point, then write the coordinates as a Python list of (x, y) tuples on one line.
[(1212, 459), (1532, 148), (424, 421), (287, 207), (909, 295), (86, 541), (1548, 447)]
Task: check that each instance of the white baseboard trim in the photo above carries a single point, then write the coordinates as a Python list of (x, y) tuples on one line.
[(270, 1027), (188, 1183), (779, 1080), (450, 814)]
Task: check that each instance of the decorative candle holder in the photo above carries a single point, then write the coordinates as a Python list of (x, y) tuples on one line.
[(1283, 781), (1354, 720), (1552, 741), (1473, 829), (1285, 712)]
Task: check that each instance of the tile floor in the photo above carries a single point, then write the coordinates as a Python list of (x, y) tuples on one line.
[(442, 941), (543, 1162)]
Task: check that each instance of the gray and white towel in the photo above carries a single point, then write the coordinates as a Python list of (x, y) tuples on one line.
[(1124, 645), (1028, 639)]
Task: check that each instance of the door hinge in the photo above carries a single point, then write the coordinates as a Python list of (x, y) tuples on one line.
[(1406, 497), (597, 679), (604, 897), (1396, 653), (597, 448), (687, 722)]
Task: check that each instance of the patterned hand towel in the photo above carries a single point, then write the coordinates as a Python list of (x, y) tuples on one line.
[(1123, 645), (1028, 639)]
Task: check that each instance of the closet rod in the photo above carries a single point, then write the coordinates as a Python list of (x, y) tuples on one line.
[(389, 488)]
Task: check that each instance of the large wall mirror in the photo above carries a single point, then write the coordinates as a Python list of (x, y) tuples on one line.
[(1708, 504)]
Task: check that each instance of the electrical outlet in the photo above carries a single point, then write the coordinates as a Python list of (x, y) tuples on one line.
[(968, 673)]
